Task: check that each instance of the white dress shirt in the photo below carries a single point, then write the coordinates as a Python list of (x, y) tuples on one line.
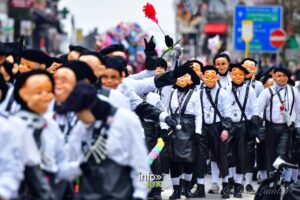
[(125, 145), (223, 105), (250, 108), (263, 102), (193, 107)]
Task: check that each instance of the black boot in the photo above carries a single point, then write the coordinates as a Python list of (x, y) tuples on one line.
[(225, 192), (181, 182), (200, 191), (157, 194), (176, 193), (238, 189), (231, 185), (187, 189)]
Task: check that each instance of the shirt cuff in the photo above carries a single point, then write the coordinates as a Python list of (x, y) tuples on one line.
[(163, 116), (140, 194)]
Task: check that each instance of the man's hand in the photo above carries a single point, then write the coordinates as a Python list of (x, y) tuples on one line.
[(224, 135)]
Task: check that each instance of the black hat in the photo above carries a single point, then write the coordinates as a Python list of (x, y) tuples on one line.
[(100, 56), (37, 56), (8, 48), (20, 81), (115, 63), (82, 71), (3, 88), (8, 68), (209, 67), (162, 63), (284, 70), (250, 59), (221, 55), (238, 65), (78, 48), (112, 48)]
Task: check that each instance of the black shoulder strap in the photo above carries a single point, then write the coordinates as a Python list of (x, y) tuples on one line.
[(187, 99), (242, 108), (201, 101), (104, 92), (170, 108), (271, 103), (214, 104), (293, 94), (10, 102), (37, 137)]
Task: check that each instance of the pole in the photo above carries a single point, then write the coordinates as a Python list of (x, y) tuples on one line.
[(247, 43), (278, 56)]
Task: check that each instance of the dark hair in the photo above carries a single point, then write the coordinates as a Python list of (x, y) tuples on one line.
[(209, 67), (162, 63), (250, 59), (221, 55), (197, 61)]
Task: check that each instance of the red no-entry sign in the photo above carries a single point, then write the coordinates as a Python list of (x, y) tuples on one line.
[(277, 38)]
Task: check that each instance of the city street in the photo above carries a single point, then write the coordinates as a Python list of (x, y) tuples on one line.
[(167, 187)]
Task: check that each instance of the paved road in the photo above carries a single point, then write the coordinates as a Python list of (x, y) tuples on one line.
[(167, 187)]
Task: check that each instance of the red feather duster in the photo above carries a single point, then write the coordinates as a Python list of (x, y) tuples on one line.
[(150, 12)]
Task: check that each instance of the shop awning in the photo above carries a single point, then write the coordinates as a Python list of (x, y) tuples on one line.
[(215, 28)]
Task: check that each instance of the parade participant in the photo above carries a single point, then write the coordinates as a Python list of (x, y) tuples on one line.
[(279, 101), (197, 67), (221, 62), (34, 91), (242, 104), (11, 168), (185, 108), (216, 124), (250, 65), (267, 81), (113, 78), (111, 164), (13, 154), (34, 59), (75, 52)]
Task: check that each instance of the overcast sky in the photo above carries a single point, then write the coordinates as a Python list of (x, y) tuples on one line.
[(105, 14)]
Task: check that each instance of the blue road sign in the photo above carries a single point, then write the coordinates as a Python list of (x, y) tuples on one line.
[(265, 20)]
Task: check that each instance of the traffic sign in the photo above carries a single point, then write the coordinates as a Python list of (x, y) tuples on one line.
[(265, 19), (277, 38)]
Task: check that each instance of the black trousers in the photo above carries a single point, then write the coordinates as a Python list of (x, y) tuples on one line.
[(178, 168), (238, 148), (210, 140), (277, 140)]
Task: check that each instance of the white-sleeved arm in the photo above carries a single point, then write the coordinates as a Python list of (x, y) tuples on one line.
[(259, 88), (297, 106), (67, 169), (224, 102), (11, 165), (143, 74), (262, 102), (138, 155), (198, 112), (127, 91), (252, 104), (141, 87)]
